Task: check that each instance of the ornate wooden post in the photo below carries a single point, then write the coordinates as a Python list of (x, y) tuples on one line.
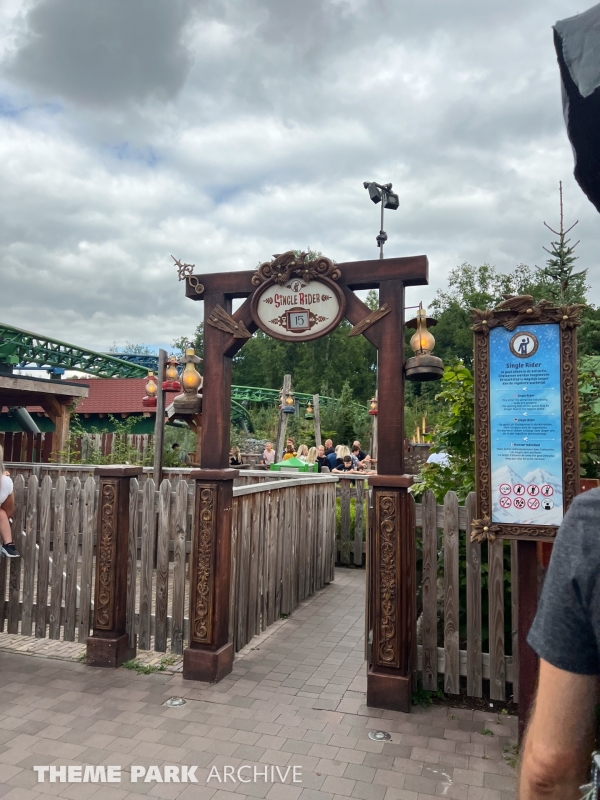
[(392, 555), (210, 656), (108, 646)]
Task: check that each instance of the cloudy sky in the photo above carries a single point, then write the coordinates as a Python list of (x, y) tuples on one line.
[(222, 131)]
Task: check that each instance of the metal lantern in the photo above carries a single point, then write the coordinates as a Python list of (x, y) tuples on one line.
[(191, 381), (289, 406), (309, 411), (373, 408), (149, 401), (171, 382), (423, 366)]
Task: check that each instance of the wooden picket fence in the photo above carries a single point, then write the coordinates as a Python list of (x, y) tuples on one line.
[(282, 551), (284, 548)]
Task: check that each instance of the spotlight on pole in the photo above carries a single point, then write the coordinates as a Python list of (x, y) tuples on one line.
[(382, 193)]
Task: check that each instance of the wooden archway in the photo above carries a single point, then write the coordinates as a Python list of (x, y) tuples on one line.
[(392, 552)]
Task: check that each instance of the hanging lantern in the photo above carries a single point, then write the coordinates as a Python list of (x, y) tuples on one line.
[(373, 409), (149, 401), (171, 382), (423, 366), (289, 406), (191, 381), (309, 411)]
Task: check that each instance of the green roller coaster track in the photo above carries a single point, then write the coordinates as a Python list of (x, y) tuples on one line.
[(25, 350)]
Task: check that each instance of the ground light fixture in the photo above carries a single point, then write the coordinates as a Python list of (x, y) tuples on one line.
[(423, 366), (382, 193), (149, 401)]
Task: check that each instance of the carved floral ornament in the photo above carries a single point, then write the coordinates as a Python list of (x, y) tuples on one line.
[(287, 265), (514, 311), (484, 530)]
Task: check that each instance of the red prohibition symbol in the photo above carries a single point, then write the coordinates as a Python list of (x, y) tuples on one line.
[(533, 490), (505, 502), (533, 503), (505, 488), (519, 502), (547, 490)]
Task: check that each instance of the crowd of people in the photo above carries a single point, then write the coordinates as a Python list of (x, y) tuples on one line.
[(340, 459)]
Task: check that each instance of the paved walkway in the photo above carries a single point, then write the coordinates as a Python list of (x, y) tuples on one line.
[(295, 699)]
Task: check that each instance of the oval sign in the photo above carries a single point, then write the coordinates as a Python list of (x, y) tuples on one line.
[(299, 310)]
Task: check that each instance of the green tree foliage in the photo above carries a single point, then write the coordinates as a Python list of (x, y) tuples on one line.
[(454, 435)]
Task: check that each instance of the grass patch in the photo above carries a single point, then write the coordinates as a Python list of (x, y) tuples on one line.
[(148, 669)]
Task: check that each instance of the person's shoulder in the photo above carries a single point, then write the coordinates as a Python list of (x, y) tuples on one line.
[(6, 487), (577, 531)]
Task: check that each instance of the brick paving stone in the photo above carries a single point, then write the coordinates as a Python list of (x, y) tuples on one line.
[(296, 696)]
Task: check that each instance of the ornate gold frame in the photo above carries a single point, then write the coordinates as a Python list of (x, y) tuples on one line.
[(513, 312)]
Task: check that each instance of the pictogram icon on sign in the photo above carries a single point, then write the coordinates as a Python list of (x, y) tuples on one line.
[(533, 490), (533, 503), (505, 502), (519, 502), (505, 488), (547, 505), (518, 488), (547, 490)]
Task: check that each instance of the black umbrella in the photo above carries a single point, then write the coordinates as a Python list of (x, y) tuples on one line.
[(577, 43)]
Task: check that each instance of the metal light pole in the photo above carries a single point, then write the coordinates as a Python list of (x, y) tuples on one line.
[(382, 193)]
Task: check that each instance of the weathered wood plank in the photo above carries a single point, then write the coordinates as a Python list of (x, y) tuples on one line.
[(44, 557), (179, 536), (3, 585), (233, 591), (473, 552), (429, 591), (451, 595), (58, 555), (134, 526), (72, 559), (345, 521), (514, 609), (243, 569), (87, 559), (272, 556), (29, 555), (496, 619), (148, 542), (358, 522), (463, 663), (162, 567), (255, 525)]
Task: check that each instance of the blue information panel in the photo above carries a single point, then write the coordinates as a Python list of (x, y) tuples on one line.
[(526, 426)]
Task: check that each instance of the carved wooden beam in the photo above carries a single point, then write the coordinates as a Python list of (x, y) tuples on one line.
[(224, 322), (365, 323)]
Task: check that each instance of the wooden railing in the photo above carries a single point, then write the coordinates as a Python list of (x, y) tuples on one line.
[(282, 551)]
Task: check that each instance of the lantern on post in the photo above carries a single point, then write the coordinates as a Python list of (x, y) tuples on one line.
[(309, 411), (373, 408), (289, 406), (423, 366), (149, 400), (191, 381), (171, 382)]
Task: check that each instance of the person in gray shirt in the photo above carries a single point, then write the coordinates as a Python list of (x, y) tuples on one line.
[(566, 636)]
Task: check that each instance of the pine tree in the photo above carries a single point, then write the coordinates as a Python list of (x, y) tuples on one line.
[(563, 285)]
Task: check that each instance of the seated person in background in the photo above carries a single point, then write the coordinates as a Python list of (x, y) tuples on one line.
[(303, 452), (361, 453), (311, 458), (329, 447), (234, 457), (341, 451), (268, 456), (289, 452), (322, 459), (290, 443), (345, 466)]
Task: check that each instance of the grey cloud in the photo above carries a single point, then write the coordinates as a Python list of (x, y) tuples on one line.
[(105, 53)]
